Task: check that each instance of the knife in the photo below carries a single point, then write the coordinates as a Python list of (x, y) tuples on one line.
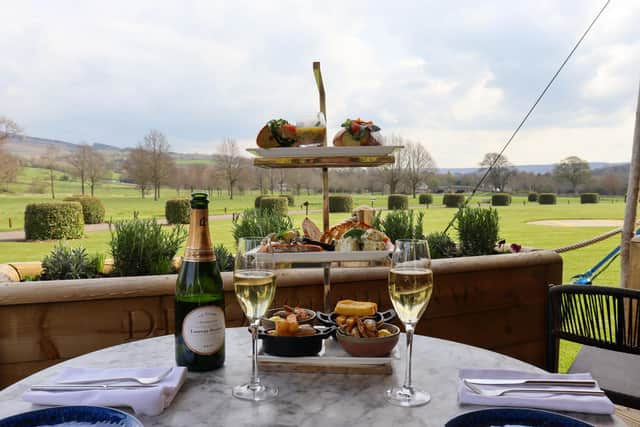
[(78, 387), (536, 381)]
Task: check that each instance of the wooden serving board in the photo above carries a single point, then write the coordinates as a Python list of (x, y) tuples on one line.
[(269, 366), (332, 359)]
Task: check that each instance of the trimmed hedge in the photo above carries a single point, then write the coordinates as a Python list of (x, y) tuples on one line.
[(277, 205), (53, 221), (256, 203), (589, 198), (290, 199), (547, 198), (425, 199), (501, 199), (453, 200), (397, 201), (532, 197), (340, 203), (178, 211), (92, 208)]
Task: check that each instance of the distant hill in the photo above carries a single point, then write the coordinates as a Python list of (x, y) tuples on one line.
[(541, 169), (29, 148)]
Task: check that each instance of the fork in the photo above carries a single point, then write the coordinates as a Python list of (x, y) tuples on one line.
[(141, 380), (503, 391)]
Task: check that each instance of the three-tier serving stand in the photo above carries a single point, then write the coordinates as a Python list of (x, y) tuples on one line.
[(325, 157)]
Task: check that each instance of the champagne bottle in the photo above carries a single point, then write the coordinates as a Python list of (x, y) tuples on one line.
[(199, 303)]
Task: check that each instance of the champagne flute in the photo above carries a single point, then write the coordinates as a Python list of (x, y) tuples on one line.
[(254, 282), (410, 288)]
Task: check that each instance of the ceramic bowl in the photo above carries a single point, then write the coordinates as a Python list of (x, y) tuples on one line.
[(370, 347)]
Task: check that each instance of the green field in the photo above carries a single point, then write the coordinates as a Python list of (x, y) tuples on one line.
[(122, 200)]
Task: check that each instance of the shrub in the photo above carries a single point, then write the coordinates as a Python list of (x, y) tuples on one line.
[(501, 199), (277, 205), (589, 198), (452, 200), (478, 231), (340, 203), (37, 186), (547, 199), (64, 263), (140, 247), (256, 203), (425, 199), (532, 197), (441, 245), (400, 224), (224, 257), (53, 221), (92, 208), (178, 211), (291, 201), (259, 223), (398, 201)]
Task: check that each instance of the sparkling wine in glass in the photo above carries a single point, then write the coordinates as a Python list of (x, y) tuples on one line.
[(410, 288), (254, 282)]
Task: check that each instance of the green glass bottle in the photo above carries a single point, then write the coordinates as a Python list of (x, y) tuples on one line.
[(199, 303)]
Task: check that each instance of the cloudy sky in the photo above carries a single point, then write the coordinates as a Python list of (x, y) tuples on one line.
[(457, 76)]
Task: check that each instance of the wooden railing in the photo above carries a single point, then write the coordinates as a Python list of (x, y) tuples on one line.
[(493, 302)]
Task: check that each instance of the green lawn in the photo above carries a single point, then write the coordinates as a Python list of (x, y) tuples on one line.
[(122, 200)]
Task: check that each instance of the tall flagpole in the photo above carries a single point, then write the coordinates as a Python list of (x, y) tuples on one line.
[(632, 204)]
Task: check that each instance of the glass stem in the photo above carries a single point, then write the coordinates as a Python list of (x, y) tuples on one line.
[(407, 373), (255, 380)]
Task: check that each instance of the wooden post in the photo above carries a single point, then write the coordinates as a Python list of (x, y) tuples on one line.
[(632, 204)]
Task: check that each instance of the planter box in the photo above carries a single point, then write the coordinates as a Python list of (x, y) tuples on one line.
[(495, 302)]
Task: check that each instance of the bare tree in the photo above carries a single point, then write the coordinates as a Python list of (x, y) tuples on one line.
[(137, 169), (501, 172), (9, 164), (8, 128), (230, 163), (574, 170), (97, 168), (9, 168), (419, 165), (51, 162), (393, 174), (160, 163), (79, 161)]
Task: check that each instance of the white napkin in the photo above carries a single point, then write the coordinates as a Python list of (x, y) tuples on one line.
[(145, 401), (558, 402)]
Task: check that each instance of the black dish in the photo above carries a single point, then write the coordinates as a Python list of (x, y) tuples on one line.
[(329, 319), (295, 346)]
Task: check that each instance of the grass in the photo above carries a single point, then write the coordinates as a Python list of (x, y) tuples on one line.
[(122, 200)]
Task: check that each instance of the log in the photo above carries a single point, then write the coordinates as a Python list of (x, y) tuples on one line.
[(632, 204)]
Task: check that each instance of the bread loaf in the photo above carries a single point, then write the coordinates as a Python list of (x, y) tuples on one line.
[(349, 307)]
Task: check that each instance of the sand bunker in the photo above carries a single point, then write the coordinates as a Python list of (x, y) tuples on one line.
[(580, 222)]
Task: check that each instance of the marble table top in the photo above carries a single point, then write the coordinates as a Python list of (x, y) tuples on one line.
[(305, 399)]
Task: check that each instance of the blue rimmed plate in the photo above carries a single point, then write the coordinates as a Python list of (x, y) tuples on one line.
[(503, 417), (76, 416)]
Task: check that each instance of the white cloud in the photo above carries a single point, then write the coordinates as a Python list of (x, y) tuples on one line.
[(458, 77)]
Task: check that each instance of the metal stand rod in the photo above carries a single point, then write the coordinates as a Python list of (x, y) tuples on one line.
[(326, 279)]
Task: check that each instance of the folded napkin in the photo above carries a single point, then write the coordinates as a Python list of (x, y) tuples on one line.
[(558, 402), (145, 401)]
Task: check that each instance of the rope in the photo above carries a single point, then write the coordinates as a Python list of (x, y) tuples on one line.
[(515, 132), (585, 243)]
